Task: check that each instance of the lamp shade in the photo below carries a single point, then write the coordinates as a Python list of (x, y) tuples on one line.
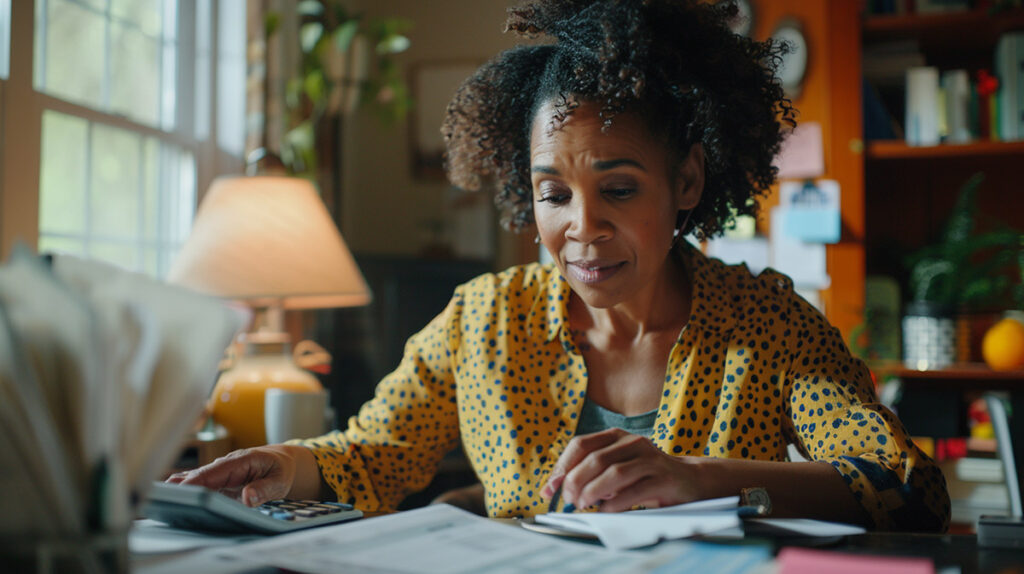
[(269, 239)]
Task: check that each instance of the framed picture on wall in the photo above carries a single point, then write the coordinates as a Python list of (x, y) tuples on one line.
[(433, 85)]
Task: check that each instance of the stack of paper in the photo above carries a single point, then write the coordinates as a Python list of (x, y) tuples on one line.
[(622, 530), (720, 517), (102, 373)]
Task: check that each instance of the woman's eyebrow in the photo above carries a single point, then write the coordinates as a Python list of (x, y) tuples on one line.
[(604, 165), (544, 169)]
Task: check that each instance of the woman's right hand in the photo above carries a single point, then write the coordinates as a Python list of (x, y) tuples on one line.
[(256, 475)]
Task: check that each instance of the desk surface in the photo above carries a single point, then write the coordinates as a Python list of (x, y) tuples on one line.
[(946, 551)]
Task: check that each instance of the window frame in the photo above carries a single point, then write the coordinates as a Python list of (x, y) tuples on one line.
[(21, 116)]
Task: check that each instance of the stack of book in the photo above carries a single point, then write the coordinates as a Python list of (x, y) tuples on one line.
[(976, 487)]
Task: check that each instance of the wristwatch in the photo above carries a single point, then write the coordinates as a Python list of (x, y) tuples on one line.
[(756, 497)]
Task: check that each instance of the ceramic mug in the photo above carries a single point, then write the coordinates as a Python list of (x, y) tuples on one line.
[(294, 414)]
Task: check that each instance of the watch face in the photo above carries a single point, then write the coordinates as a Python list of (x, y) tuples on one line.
[(744, 21), (794, 63)]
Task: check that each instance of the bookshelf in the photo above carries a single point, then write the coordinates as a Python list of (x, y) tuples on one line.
[(909, 191), (898, 149), (972, 29)]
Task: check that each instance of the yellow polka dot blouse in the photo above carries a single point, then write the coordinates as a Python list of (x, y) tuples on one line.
[(756, 368)]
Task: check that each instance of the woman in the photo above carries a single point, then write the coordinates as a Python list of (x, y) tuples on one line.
[(634, 370)]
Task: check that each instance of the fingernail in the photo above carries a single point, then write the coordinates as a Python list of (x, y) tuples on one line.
[(254, 499), (569, 507)]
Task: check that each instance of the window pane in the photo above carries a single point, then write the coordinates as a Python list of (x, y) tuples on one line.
[(5, 38), (73, 53), (123, 255), (135, 75), (63, 174), (231, 76), (71, 246), (143, 14), (151, 192), (202, 70), (115, 198)]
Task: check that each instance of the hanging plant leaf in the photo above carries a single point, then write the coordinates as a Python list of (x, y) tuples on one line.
[(309, 8), (315, 87), (293, 93), (309, 36), (344, 34), (271, 24), (393, 44)]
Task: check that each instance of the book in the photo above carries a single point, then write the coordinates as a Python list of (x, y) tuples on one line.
[(1009, 68)]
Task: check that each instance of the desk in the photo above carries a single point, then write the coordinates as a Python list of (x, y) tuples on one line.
[(945, 550)]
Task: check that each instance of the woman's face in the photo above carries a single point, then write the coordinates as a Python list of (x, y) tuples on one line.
[(605, 204)]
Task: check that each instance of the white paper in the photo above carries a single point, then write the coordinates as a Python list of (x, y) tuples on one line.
[(101, 372), (437, 539), (754, 252), (149, 536), (803, 262), (635, 529), (804, 527)]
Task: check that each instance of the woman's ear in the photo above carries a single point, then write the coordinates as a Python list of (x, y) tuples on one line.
[(690, 178)]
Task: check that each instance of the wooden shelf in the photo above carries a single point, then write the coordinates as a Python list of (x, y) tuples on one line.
[(974, 29), (971, 371), (961, 377), (898, 149)]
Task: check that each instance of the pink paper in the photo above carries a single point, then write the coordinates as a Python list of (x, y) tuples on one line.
[(802, 155), (793, 560)]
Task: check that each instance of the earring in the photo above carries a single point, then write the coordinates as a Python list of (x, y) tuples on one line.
[(681, 222), (537, 240)]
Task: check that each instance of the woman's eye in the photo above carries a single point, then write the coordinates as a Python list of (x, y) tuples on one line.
[(620, 192), (554, 197)]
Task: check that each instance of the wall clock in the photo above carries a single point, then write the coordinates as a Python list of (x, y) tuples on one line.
[(743, 23), (793, 67)]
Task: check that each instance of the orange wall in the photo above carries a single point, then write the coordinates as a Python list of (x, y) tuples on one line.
[(831, 96)]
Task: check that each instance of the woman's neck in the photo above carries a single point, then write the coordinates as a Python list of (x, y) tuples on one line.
[(662, 305)]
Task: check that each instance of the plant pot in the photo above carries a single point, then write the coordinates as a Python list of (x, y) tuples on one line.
[(929, 336), (971, 327)]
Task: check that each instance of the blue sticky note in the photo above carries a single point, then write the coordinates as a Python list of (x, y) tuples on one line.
[(813, 224), (812, 211)]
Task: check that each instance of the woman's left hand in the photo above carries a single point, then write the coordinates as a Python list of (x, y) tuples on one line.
[(619, 470)]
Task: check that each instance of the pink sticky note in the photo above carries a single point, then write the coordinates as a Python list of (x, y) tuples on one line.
[(802, 155), (793, 560)]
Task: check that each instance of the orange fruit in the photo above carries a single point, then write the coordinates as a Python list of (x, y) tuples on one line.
[(1003, 345)]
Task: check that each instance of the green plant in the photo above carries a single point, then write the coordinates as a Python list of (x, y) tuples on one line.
[(346, 62), (967, 268)]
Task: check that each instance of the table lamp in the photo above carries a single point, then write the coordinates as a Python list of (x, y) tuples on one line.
[(268, 242)]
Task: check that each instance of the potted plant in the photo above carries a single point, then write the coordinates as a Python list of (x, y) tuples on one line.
[(966, 271), (346, 61)]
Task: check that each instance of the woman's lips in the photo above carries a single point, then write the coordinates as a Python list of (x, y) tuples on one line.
[(593, 272)]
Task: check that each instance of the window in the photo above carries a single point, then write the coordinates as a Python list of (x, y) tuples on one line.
[(120, 105), (5, 38)]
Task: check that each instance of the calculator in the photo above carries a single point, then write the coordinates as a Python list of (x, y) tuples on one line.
[(196, 508)]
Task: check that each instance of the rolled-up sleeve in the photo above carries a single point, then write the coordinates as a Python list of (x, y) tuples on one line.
[(392, 447), (836, 417)]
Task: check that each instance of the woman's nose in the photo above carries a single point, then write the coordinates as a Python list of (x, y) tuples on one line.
[(590, 223)]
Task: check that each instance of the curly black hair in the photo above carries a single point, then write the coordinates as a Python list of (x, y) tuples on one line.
[(674, 62)]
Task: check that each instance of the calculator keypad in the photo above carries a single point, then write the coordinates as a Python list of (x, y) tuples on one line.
[(300, 509)]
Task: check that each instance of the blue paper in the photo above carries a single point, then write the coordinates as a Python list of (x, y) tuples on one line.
[(812, 211)]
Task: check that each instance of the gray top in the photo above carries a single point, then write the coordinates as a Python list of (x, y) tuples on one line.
[(596, 418)]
